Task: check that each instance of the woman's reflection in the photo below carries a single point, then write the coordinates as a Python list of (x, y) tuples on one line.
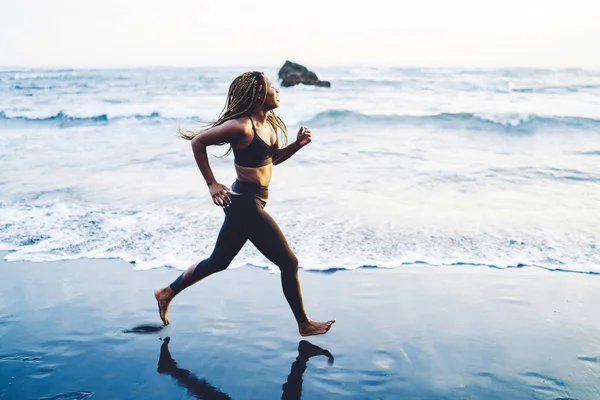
[(200, 388)]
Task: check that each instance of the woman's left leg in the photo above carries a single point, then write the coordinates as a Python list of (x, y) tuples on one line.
[(270, 241)]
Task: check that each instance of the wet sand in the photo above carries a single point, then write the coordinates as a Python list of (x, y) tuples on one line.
[(90, 329)]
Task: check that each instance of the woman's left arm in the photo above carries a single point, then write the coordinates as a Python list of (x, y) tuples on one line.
[(303, 138)]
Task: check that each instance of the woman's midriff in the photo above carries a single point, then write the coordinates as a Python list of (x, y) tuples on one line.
[(257, 175)]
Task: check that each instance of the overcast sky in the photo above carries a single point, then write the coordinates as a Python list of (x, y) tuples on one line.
[(113, 33)]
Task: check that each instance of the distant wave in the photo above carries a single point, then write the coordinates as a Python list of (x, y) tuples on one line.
[(409, 82), (63, 119), (471, 121), (466, 121), (590, 153), (556, 89)]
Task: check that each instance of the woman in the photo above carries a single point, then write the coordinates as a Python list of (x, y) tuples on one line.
[(250, 126)]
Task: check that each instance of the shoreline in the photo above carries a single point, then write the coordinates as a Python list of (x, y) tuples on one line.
[(403, 264)]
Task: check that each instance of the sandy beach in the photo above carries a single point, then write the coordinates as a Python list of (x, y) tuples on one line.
[(68, 331)]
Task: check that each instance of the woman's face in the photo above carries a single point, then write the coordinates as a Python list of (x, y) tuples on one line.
[(272, 98)]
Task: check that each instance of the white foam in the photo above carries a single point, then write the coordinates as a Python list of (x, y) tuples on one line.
[(55, 229)]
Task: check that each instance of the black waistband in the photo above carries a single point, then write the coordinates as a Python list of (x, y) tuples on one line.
[(249, 188)]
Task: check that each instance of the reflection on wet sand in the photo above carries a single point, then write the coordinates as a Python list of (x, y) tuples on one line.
[(200, 388)]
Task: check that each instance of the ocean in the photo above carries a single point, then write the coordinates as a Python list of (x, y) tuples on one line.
[(466, 167)]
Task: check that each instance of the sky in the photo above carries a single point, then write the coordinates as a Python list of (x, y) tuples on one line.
[(140, 33)]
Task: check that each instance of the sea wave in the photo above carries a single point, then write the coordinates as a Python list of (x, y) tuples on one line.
[(463, 120), (557, 89), (508, 122), (55, 226), (65, 120)]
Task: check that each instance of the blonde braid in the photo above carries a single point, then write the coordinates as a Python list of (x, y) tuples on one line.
[(242, 100)]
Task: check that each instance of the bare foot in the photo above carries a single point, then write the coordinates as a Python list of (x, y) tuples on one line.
[(163, 298), (311, 328)]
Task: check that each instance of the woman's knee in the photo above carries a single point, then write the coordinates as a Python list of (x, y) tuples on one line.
[(210, 266), (290, 265)]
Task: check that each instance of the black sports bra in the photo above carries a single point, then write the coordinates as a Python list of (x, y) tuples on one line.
[(256, 154)]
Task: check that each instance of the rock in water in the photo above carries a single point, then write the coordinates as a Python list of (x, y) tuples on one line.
[(292, 74)]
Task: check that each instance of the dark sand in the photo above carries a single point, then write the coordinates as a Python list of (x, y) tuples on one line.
[(415, 332)]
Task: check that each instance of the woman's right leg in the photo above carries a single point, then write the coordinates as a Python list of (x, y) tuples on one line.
[(230, 241)]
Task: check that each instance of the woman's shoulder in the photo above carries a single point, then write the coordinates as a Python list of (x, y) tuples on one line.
[(239, 129), (240, 124)]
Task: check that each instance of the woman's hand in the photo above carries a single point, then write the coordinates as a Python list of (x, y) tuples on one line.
[(218, 192), (304, 137)]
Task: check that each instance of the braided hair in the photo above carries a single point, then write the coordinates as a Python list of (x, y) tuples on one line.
[(243, 99)]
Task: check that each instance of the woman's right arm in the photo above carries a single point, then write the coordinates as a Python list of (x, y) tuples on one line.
[(229, 131)]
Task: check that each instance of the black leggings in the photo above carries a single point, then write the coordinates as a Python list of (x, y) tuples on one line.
[(246, 219)]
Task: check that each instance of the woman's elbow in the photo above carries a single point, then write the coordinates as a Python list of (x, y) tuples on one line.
[(197, 142)]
